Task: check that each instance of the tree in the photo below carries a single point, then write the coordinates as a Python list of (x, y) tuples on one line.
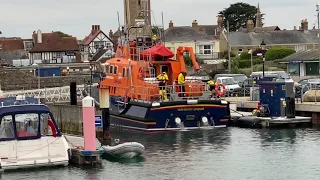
[(61, 34), (275, 53), (238, 14)]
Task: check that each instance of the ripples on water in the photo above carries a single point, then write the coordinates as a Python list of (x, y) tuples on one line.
[(225, 153)]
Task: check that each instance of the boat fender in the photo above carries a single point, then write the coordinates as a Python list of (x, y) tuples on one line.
[(218, 92), (141, 72), (117, 141), (53, 129)]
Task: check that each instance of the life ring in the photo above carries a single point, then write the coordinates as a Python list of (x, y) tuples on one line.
[(218, 92), (141, 72), (53, 129)]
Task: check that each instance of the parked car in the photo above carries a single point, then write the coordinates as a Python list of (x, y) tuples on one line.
[(307, 84), (239, 78), (230, 84)]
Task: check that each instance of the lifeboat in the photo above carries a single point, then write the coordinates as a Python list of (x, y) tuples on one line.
[(139, 101)]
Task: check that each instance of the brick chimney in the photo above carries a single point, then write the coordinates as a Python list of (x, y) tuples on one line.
[(250, 25), (110, 34), (170, 24), (195, 24), (95, 28), (304, 25)]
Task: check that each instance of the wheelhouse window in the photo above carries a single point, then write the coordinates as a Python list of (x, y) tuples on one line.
[(111, 70), (115, 70), (124, 72), (128, 75), (6, 127), (27, 124), (137, 111)]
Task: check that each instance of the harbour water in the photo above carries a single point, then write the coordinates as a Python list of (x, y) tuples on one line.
[(225, 153)]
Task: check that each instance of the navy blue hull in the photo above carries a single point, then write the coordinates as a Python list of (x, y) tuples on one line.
[(173, 116)]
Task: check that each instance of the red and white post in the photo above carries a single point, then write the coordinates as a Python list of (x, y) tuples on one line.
[(89, 128)]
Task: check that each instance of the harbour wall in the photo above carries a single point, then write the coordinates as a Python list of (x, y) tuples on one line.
[(69, 118)]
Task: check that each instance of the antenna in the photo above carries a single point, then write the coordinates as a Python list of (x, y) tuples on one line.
[(120, 31), (164, 41), (318, 16)]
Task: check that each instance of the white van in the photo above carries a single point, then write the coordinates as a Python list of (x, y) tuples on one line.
[(229, 82)]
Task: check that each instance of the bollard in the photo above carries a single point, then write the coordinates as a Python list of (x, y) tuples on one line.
[(105, 105), (89, 129), (73, 93)]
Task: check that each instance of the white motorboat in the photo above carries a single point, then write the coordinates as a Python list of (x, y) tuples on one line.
[(29, 135), (125, 150)]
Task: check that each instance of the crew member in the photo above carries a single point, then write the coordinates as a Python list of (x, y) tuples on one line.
[(181, 81), (211, 84), (154, 39), (163, 78)]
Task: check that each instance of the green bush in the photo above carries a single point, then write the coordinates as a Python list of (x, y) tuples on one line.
[(245, 63), (278, 53), (245, 55)]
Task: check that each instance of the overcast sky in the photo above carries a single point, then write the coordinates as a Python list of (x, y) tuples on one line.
[(20, 18)]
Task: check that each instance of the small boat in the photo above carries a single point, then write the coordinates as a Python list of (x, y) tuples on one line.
[(125, 150), (29, 135)]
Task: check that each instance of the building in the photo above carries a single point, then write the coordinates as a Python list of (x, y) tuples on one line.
[(303, 63), (14, 48), (53, 48), (250, 38), (96, 42), (137, 13), (202, 38)]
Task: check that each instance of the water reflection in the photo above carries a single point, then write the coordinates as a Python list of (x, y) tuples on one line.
[(181, 141)]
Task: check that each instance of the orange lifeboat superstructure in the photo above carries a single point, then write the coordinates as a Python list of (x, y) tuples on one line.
[(132, 73)]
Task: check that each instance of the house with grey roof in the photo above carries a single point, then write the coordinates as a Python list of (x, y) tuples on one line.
[(204, 39), (303, 63), (250, 37)]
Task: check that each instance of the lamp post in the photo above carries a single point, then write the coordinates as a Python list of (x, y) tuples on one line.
[(251, 51), (263, 45)]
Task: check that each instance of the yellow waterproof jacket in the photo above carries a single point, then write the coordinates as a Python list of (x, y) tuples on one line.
[(162, 77), (211, 82), (181, 79)]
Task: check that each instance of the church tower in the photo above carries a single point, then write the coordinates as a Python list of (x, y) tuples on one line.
[(137, 12), (258, 17)]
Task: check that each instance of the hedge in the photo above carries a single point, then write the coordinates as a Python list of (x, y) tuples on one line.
[(278, 53), (246, 63)]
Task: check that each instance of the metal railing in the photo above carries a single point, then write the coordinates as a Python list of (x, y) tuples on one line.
[(56, 94)]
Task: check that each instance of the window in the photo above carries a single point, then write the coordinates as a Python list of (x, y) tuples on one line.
[(115, 71), (6, 127), (108, 46), (137, 111), (124, 72), (58, 55), (44, 127), (128, 72), (99, 44), (205, 49), (106, 69), (139, 2), (28, 45), (111, 70), (27, 124), (300, 48)]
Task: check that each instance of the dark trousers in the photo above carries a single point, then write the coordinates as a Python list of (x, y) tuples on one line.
[(182, 90)]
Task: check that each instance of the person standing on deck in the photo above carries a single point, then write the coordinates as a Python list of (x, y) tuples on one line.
[(163, 78), (181, 81)]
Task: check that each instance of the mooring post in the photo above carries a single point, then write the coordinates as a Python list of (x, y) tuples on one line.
[(73, 93), (105, 105), (89, 128)]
